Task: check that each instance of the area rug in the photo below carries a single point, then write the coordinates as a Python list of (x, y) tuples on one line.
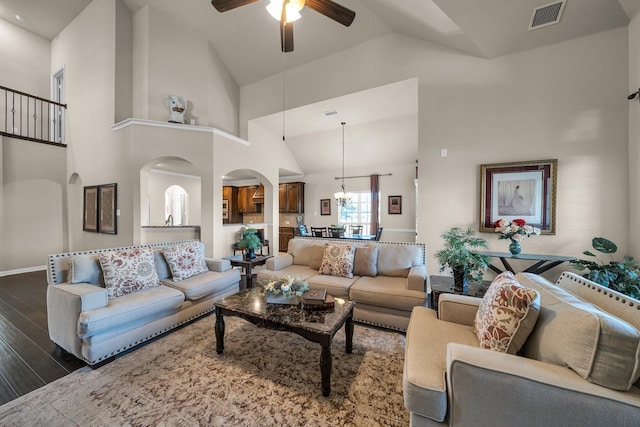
[(264, 378)]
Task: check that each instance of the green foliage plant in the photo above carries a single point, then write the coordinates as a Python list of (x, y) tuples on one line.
[(249, 239), (622, 276), (458, 253)]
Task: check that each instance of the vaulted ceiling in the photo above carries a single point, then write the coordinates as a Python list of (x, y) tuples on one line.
[(248, 35)]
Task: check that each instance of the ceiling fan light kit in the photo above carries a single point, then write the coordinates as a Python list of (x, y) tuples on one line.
[(292, 9), (287, 11)]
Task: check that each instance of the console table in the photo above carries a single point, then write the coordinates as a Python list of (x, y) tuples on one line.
[(541, 263)]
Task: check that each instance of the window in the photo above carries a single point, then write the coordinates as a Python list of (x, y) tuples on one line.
[(358, 212), (57, 95)]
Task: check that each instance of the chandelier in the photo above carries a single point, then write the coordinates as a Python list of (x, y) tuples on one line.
[(342, 198)]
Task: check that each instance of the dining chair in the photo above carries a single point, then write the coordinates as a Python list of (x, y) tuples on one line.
[(379, 233), (355, 229), (336, 232), (319, 231)]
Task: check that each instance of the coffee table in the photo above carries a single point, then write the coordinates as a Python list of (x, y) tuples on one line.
[(316, 326)]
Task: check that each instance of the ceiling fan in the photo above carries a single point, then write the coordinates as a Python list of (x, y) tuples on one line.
[(287, 11)]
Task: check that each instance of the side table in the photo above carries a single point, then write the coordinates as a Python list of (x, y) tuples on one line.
[(247, 265), (444, 285)]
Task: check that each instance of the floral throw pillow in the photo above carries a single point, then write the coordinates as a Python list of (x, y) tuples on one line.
[(338, 260), (185, 260), (128, 270), (507, 314)]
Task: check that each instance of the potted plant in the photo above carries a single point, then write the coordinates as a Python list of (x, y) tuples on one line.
[(459, 254), (622, 276), (249, 242)]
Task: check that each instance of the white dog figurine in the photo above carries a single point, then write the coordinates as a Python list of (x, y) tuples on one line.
[(177, 106)]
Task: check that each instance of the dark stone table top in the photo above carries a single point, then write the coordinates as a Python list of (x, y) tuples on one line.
[(253, 303)]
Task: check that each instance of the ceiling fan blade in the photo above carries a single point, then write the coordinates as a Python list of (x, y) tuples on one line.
[(224, 5), (286, 33), (332, 10)]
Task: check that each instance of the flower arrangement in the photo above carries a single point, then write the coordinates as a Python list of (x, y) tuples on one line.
[(516, 230), (288, 286)]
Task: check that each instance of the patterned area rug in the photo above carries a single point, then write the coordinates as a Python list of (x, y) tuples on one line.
[(265, 378)]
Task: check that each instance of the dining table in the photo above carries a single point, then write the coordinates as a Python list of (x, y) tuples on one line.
[(348, 237)]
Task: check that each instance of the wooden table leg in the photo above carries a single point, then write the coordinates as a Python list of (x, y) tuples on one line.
[(348, 329), (219, 332), (325, 369)]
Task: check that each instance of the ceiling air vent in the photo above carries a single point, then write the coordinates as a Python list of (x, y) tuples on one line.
[(547, 14)]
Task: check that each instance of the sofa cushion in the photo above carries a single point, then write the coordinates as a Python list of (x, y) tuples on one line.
[(130, 310), (86, 269), (317, 255), (185, 260), (336, 286), (128, 270), (365, 261), (204, 284), (425, 363), (302, 250), (507, 314), (397, 259), (338, 260), (385, 291), (571, 332), (302, 272)]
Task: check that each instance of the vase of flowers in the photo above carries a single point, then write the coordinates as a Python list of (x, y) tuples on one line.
[(285, 290), (515, 231)]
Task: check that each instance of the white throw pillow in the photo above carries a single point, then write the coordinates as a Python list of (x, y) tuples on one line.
[(128, 270), (185, 260)]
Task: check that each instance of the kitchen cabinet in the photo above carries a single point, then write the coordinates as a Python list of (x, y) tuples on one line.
[(230, 195), (291, 197), (245, 200), (286, 234)]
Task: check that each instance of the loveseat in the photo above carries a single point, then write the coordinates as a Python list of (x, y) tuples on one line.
[(578, 362), (102, 302), (387, 279)]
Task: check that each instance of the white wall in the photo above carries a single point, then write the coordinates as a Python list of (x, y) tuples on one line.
[(32, 175), (566, 101)]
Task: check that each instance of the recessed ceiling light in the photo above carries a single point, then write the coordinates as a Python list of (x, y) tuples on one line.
[(21, 18), (330, 113)]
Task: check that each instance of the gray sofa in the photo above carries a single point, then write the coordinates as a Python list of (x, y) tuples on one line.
[(85, 322), (576, 368), (385, 298)]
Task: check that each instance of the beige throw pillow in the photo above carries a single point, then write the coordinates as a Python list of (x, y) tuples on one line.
[(365, 262), (185, 260), (507, 314), (338, 261)]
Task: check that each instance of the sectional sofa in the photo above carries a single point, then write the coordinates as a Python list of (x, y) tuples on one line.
[(573, 358), (387, 279), (102, 302)]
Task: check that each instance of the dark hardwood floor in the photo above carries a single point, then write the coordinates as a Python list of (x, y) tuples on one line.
[(28, 358)]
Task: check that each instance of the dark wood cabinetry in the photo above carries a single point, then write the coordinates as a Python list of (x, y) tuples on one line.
[(230, 195), (286, 234), (291, 197), (246, 203)]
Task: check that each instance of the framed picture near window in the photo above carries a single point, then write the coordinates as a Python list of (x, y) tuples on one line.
[(107, 200), (395, 205), (325, 206), (514, 190), (90, 210)]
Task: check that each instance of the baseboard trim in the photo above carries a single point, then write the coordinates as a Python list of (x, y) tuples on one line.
[(22, 270)]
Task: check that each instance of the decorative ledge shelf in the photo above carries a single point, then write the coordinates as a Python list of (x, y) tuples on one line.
[(191, 128)]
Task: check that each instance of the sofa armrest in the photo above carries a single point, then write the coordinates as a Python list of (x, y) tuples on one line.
[(219, 265), (279, 262), (488, 388), (417, 278), (458, 308), (65, 302)]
